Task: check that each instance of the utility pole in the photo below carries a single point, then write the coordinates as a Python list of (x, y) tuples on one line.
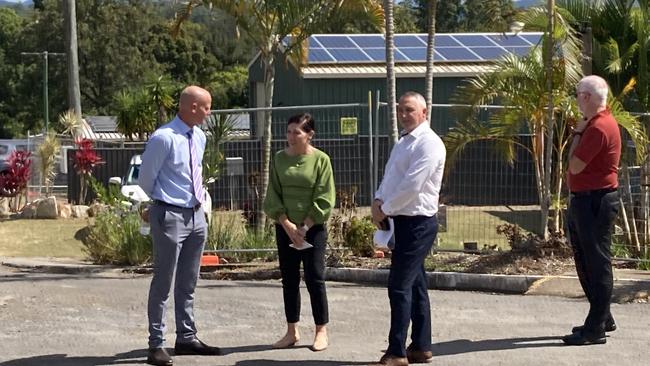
[(74, 92), (45, 55)]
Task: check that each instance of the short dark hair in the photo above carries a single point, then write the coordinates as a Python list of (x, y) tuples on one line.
[(305, 122)]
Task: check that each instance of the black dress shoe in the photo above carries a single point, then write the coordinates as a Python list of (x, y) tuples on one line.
[(582, 339), (159, 357), (610, 326), (196, 347)]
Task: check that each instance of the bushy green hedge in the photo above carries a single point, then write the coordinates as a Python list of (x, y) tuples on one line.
[(115, 238), (359, 236)]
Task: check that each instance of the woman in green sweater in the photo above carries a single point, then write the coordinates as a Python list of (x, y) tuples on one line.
[(300, 198)]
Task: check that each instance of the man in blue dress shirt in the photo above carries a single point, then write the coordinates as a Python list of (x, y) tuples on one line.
[(171, 175)]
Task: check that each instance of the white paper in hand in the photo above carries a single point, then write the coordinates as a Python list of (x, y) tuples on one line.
[(382, 237), (303, 246)]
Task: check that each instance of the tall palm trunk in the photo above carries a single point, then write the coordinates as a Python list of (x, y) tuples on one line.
[(538, 154), (269, 80), (428, 78), (390, 70), (549, 129)]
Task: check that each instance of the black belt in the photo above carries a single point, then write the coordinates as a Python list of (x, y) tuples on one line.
[(163, 203), (594, 192)]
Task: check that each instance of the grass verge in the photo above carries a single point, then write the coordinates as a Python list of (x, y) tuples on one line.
[(41, 238)]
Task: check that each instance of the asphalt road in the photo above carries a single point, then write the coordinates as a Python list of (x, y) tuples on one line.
[(49, 319)]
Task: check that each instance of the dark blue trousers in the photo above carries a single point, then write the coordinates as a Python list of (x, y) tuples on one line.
[(590, 218), (407, 284)]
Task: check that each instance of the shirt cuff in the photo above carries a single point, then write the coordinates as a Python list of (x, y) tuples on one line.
[(386, 209)]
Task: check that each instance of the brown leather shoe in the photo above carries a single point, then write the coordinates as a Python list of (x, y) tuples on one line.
[(391, 360), (415, 356), (159, 357)]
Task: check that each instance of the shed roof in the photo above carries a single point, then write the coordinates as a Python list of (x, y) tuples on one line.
[(455, 54)]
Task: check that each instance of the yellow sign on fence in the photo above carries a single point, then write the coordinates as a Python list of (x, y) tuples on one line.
[(349, 126)]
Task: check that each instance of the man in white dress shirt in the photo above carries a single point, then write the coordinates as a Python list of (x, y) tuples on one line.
[(409, 194)]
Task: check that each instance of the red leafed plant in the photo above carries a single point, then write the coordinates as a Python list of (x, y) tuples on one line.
[(85, 160), (14, 179)]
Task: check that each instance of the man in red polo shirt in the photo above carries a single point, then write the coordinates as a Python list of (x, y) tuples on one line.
[(593, 181)]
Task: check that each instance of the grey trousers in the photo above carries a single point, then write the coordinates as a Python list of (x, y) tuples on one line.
[(179, 235)]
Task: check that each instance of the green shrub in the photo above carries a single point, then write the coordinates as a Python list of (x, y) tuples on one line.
[(115, 238), (644, 264), (228, 231), (110, 195), (255, 240), (359, 236), (225, 231), (620, 250)]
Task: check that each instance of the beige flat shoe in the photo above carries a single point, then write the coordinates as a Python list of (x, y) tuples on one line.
[(320, 343), (286, 342)]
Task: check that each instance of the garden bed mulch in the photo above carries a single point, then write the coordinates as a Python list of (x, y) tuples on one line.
[(494, 263)]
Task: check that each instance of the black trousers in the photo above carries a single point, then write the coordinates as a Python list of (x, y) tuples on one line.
[(407, 284), (313, 260), (590, 218)]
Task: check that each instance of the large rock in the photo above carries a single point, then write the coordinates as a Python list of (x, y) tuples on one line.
[(80, 211), (4, 207), (65, 210), (47, 209), (29, 211)]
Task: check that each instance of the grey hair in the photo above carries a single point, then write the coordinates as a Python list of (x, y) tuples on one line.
[(596, 86), (417, 96)]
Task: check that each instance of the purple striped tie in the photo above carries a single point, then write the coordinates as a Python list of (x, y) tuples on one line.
[(195, 169)]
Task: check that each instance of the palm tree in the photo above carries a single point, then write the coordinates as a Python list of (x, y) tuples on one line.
[(46, 153), (136, 113), (71, 123), (428, 78), (390, 70), (620, 55), (219, 128), (280, 28), (518, 83), (160, 92)]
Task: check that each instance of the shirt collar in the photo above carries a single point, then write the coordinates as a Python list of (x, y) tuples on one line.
[(605, 112), (181, 126), (418, 131)]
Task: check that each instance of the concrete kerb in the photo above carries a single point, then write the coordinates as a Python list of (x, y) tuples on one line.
[(509, 284), (58, 266), (496, 283)]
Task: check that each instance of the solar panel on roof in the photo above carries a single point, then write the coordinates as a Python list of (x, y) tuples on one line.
[(369, 41), (508, 41), (379, 55), (349, 54), (442, 41), (519, 51), (409, 41), (418, 54), (532, 38), (319, 55), (335, 42), (473, 40), (489, 53), (412, 47), (457, 54)]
